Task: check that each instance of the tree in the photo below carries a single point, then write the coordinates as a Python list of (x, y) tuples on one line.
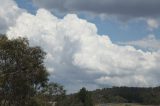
[(22, 71), (85, 97), (53, 92)]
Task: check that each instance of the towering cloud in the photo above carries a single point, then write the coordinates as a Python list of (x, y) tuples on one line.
[(77, 56)]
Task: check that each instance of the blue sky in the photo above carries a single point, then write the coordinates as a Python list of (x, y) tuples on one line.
[(91, 43), (28, 5)]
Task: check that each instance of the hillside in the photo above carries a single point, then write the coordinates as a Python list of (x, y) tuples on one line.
[(118, 96), (127, 95)]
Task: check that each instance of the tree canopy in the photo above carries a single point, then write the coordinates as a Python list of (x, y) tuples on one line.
[(22, 71)]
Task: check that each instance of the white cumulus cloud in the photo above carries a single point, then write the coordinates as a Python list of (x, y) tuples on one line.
[(9, 11), (152, 24), (78, 56), (149, 43)]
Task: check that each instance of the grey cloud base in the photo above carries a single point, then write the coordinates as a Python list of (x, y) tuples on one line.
[(77, 56), (122, 8)]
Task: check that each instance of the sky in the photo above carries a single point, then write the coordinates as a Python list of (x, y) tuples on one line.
[(90, 43)]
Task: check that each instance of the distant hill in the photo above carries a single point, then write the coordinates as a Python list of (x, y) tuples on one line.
[(127, 95)]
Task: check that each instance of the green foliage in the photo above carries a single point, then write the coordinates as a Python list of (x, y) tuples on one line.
[(54, 93), (82, 98), (85, 97), (22, 71), (23, 76)]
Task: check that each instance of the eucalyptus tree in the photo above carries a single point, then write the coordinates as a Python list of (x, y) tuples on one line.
[(22, 71)]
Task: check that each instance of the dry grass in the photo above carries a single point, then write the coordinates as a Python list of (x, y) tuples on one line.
[(123, 104)]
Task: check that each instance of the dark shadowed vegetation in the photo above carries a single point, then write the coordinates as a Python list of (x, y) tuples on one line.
[(127, 95), (23, 76)]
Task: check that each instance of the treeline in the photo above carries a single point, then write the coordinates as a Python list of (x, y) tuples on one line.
[(127, 95), (145, 96), (82, 98)]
